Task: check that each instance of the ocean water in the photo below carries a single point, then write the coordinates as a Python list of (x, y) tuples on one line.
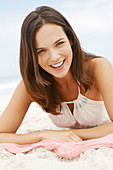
[(8, 84)]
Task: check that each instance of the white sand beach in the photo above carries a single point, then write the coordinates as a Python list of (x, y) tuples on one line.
[(42, 159)]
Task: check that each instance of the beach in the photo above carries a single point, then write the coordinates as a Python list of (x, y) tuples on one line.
[(41, 158), (92, 21)]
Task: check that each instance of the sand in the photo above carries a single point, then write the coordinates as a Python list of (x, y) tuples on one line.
[(42, 159)]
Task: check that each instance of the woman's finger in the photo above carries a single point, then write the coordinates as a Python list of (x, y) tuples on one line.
[(75, 137)]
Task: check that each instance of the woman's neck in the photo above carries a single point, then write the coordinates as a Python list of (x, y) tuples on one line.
[(65, 82)]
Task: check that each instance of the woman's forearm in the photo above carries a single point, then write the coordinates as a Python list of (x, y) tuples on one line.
[(21, 139), (35, 137), (94, 132)]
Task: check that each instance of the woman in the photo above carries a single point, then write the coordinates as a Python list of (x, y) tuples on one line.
[(74, 87)]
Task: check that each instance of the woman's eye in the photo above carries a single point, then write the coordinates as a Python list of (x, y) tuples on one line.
[(41, 51), (59, 43)]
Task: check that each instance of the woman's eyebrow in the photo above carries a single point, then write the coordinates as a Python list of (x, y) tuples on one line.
[(58, 40), (39, 48), (54, 43)]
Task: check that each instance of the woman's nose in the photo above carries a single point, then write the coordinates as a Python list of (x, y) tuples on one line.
[(54, 55)]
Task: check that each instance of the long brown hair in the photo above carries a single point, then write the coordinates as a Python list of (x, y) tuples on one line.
[(40, 84)]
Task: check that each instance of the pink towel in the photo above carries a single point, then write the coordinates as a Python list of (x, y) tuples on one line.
[(63, 149)]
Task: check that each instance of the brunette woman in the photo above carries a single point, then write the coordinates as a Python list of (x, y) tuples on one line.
[(75, 88)]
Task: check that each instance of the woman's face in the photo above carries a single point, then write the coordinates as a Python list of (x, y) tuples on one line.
[(53, 50)]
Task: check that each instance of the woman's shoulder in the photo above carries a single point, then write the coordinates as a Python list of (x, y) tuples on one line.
[(98, 64), (101, 70), (22, 91), (99, 61)]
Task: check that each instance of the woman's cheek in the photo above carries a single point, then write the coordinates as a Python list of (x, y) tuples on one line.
[(41, 60)]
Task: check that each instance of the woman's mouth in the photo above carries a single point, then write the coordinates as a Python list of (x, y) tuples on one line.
[(58, 66)]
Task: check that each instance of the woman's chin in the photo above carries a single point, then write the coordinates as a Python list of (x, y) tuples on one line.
[(61, 75)]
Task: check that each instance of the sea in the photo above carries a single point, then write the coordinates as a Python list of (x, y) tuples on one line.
[(8, 84)]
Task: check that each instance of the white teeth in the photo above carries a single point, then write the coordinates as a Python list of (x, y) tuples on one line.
[(57, 65)]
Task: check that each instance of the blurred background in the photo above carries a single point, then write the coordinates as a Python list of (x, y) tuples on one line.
[(92, 21)]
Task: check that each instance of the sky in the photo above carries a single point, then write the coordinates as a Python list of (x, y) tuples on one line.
[(92, 21)]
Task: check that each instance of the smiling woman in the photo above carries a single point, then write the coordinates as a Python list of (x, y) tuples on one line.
[(71, 85), (55, 56)]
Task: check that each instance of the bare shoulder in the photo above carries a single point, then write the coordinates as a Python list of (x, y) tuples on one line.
[(99, 64), (15, 111), (21, 94), (21, 89), (102, 71)]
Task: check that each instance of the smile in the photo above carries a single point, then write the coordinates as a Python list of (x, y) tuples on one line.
[(58, 66)]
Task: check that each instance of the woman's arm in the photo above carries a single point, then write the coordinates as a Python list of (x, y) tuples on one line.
[(95, 132), (12, 117), (103, 73), (21, 139)]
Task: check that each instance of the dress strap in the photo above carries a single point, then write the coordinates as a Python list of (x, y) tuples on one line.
[(69, 102), (78, 90)]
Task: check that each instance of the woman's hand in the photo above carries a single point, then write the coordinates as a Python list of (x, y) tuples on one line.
[(63, 135)]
